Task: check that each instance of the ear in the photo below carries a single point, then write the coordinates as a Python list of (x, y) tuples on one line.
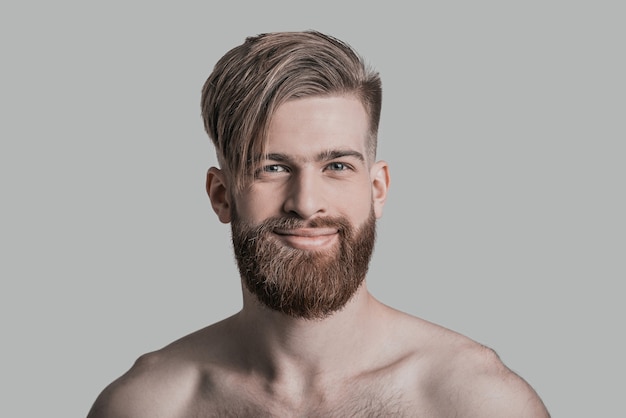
[(217, 189), (380, 186)]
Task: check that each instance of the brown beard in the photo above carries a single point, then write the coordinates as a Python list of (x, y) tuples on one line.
[(300, 283)]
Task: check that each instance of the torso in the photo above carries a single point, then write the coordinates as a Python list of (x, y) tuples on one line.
[(357, 400), (222, 393), (420, 374)]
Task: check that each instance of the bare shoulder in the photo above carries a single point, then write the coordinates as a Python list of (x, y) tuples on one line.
[(163, 383), (157, 385), (484, 386), (468, 379)]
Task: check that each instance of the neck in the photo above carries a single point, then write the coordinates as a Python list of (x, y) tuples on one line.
[(278, 345)]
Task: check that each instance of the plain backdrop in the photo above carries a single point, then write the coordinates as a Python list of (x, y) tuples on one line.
[(503, 124)]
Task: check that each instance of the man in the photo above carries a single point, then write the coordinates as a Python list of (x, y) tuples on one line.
[(294, 120)]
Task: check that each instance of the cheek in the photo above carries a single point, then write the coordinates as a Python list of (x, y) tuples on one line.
[(256, 207), (356, 203)]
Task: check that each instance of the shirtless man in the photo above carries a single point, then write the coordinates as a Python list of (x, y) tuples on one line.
[(294, 120)]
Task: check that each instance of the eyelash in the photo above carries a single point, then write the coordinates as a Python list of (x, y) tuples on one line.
[(266, 168), (344, 165)]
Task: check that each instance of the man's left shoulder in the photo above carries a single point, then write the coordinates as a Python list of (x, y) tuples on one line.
[(483, 386)]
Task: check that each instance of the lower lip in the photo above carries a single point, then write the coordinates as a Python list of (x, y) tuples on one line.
[(318, 242)]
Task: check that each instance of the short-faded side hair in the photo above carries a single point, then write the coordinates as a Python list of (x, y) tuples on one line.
[(252, 80)]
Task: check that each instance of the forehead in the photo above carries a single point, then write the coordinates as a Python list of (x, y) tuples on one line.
[(307, 126)]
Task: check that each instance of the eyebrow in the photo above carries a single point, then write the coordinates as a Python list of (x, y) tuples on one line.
[(322, 156)]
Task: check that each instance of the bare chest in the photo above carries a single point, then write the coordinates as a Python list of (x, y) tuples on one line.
[(359, 399), (364, 407)]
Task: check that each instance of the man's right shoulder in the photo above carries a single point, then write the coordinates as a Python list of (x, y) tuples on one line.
[(157, 385)]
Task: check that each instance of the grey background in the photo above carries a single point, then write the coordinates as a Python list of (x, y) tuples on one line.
[(503, 124)]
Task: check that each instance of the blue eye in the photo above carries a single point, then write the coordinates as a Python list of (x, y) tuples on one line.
[(274, 168), (337, 166), (266, 170)]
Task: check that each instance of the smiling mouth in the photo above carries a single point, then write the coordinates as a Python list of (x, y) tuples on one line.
[(308, 238)]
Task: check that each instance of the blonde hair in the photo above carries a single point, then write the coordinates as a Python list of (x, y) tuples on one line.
[(252, 80)]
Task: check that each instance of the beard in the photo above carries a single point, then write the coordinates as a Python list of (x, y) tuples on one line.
[(303, 283)]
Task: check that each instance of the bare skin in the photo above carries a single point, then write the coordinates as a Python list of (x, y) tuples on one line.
[(365, 360), (368, 360)]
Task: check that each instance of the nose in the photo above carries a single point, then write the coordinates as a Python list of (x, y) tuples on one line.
[(305, 195)]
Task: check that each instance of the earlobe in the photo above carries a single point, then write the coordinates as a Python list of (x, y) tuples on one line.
[(380, 186), (217, 189)]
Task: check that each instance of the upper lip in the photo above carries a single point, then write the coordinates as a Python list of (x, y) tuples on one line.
[(307, 232)]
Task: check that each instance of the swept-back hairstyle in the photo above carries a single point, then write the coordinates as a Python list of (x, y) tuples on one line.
[(252, 80)]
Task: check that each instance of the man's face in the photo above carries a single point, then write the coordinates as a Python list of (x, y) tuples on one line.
[(304, 229)]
